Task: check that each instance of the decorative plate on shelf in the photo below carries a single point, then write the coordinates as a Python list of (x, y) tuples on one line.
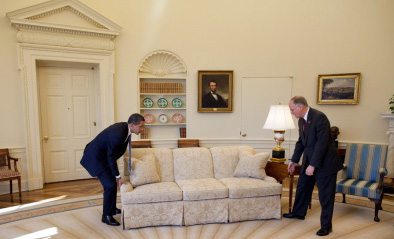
[(177, 103), (163, 118), (147, 102), (149, 118), (162, 103), (177, 118)]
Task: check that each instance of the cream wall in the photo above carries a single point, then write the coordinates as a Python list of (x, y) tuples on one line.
[(252, 37)]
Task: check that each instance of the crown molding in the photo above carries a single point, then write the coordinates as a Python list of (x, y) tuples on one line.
[(28, 18)]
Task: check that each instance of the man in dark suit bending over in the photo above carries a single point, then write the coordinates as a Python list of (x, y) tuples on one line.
[(100, 156), (320, 163)]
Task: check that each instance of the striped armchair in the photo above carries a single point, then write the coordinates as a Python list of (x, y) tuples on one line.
[(363, 173)]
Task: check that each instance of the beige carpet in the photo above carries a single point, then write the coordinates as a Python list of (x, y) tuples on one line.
[(80, 218)]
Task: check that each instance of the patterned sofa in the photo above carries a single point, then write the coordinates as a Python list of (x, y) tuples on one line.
[(197, 187)]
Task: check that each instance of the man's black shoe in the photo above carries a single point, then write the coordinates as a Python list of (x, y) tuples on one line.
[(118, 211), (110, 220), (291, 215), (324, 231)]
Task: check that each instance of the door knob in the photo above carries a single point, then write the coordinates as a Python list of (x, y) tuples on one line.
[(243, 135), (46, 139)]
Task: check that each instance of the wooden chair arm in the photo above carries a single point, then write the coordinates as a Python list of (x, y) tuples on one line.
[(15, 165), (382, 173)]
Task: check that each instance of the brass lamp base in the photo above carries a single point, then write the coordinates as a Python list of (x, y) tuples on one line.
[(278, 155)]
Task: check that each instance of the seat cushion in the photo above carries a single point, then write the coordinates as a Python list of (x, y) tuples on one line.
[(6, 173), (155, 192), (251, 187), (358, 188), (202, 189)]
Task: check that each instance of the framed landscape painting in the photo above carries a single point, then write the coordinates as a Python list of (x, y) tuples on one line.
[(338, 88), (215, 91)]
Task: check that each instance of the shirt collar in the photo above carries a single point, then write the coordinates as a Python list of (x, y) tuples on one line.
[(128, 133), (306, 115)]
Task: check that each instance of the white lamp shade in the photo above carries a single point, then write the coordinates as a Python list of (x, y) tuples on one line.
[(279, 118)]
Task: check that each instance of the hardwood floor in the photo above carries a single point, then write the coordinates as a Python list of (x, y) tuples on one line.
[(70, 189)]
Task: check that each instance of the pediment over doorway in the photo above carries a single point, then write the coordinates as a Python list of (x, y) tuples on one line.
[(65, 17)]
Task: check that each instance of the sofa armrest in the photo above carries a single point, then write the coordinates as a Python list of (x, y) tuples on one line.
[(270, 179), (126, 187)]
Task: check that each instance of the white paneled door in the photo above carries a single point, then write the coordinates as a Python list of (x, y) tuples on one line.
[(67, 104), (262, 92)]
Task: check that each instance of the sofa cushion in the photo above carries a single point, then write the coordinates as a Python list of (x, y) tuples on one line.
[(251, 165), (202, 189), (144, 171), (250, 187), (155, 192), (225, 159), (164, 161), (192, 163)]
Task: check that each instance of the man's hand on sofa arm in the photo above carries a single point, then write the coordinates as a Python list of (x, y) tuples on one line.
[(126, 187)]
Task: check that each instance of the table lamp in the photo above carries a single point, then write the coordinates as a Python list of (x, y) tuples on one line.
[(279, 120)]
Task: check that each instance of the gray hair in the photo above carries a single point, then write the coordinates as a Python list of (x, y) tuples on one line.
[(299, 100)]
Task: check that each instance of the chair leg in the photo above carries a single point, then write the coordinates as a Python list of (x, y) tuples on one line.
[(377, 207), (343, 198), (20, 189), (11, 187)]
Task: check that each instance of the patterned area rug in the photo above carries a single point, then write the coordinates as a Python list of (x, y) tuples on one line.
[(80, 218)]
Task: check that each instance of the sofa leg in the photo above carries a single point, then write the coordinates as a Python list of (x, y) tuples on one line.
[(343, 198)]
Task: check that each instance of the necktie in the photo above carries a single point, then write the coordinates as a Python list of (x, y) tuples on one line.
[(303, 125), (129, 153)]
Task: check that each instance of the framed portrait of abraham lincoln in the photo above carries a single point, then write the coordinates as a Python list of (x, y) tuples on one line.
[(339, 89), (215, 91)]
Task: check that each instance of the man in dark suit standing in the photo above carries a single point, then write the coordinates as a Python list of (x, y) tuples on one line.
[(100, 156), (212, 99), (320, 163)]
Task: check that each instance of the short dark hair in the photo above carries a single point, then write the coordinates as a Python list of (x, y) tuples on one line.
[(135, 119), (299, 100), (213, 82)]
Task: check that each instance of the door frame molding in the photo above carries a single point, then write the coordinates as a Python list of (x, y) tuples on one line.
[(29, 55)]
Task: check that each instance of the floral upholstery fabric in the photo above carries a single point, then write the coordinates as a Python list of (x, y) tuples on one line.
[(250, 187), (152, 214), (202, 189), (164, 162), (6, 173), (155, 192), (192, 163), (254, 208), (144, 170), (251, 165), (206, 211), (225, 159)]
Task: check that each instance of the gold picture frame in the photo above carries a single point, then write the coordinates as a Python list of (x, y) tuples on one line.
[(339, 89), (215, 91)]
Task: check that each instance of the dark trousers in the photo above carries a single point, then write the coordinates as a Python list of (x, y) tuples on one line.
[(326, 186), (110, 189)]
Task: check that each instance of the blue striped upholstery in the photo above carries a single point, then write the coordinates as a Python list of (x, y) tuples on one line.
[(362, 174)]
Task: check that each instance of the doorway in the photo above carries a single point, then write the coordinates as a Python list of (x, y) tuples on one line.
[(68, 118)]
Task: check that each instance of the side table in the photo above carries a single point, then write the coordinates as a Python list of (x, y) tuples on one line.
[(279, 172)]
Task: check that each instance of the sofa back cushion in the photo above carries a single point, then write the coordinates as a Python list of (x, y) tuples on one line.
[(225, 159), (192, 163), (164, 161)]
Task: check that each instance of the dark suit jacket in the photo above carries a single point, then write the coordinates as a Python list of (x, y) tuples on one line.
[(317, 146), (208, 101), (103, 151)]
